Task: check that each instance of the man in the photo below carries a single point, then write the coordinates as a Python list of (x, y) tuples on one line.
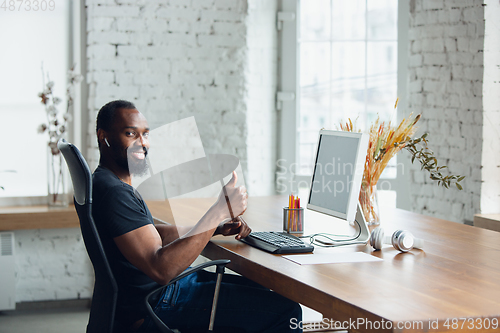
[(144, 256)]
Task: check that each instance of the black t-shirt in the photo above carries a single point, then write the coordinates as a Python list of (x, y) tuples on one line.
[(118, 208)]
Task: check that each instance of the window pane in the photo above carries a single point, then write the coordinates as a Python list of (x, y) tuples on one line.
[(29, 38), (381, 80), (315, 73), (315, 20), (352, 74), (348, 82), (348, 19), (382, 19), (314, 67)]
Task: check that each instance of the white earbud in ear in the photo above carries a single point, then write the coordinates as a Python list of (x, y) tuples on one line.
[(402, 240), (106, 140)]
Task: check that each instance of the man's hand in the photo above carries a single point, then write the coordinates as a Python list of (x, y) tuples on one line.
[(237, 227), (232, 200)]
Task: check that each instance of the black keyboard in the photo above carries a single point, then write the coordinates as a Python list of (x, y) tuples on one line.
[(277, 242)]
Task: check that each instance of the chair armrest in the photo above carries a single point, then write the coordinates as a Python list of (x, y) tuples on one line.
[(221, 264)]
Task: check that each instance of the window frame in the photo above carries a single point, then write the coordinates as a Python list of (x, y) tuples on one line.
[(288, 81), (76, 54)]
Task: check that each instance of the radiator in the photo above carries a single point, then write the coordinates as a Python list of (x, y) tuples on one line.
[(7, 277)]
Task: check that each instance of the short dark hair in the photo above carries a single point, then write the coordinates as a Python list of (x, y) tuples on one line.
[(107, 113)]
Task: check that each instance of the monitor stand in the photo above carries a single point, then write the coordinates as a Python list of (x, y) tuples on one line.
[(361, 229)]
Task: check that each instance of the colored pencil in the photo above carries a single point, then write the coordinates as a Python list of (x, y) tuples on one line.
[(289, 211), (300, 215)]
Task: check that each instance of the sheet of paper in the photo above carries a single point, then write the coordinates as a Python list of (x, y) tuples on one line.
[(331, 258)]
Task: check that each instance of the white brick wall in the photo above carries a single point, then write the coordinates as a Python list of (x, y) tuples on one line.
[(446, 83), (167, 58), (52, 264), (214, 59)]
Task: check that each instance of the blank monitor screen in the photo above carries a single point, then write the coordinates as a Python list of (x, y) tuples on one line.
[(338, 171)]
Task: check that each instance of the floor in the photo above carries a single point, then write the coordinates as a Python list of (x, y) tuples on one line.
[(44, 321), (60, 320)]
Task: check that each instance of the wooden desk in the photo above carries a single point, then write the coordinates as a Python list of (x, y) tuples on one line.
[(37, 217), (457, 276), (487, 221)]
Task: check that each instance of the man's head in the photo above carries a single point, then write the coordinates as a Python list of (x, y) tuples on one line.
[(122, 135)]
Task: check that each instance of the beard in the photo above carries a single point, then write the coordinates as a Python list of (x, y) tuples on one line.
[(135, 166)]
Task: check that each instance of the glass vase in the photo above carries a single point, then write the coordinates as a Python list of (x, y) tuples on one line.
[(369, 204), (56, 179)]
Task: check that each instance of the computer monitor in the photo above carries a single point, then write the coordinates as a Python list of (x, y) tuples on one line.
[(336, 180)]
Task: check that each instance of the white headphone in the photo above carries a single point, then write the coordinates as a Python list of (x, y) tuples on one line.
[(105, 139), (402, 240)]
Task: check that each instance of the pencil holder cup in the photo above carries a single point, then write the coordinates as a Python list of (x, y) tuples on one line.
[(293, 220)]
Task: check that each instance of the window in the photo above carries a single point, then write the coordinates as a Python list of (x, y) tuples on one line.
[(348, 66), (346, 60), (29, 38)]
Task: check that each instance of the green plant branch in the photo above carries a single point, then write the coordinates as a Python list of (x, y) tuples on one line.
[(420, 151)]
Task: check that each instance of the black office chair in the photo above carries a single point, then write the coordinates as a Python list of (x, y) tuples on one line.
[(102, 310)]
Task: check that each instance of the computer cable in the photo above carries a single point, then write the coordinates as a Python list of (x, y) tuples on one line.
[(313, 239)]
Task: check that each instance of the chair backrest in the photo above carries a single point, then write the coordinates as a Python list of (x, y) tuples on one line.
[(102, 311)]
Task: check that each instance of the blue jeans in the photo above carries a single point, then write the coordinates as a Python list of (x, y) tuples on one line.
[(243, 306)]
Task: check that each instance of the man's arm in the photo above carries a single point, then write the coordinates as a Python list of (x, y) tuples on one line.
[(169, 232), (144, 248), (237, 227)]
